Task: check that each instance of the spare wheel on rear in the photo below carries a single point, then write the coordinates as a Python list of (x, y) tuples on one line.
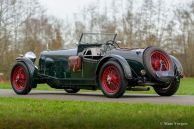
[(158, 64)]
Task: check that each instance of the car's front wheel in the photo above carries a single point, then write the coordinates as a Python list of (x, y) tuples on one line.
[(111, 79), (73, 90), (168, 90), (20, 79)]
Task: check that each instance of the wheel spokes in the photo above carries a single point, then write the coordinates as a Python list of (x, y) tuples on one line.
[(19, 78), (111, 79), (159, 61)]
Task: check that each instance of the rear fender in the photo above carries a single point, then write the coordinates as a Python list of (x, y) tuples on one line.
[(177, 65), (122, 61)]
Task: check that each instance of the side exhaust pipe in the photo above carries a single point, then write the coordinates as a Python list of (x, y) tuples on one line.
[(140, 89)]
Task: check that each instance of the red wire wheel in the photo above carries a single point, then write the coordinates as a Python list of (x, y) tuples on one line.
[(20, 79), (159, 61), (112, 80)]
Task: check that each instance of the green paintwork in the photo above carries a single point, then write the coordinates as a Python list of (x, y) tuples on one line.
[(89, 67), (54, 64), (136, 67)]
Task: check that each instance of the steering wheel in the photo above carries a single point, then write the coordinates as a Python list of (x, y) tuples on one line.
[(112, 43), (109, 45)]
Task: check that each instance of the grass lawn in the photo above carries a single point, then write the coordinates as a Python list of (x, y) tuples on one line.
[(16, 113), (7, 85), (186, 87)]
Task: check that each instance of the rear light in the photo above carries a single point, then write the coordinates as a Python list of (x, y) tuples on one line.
[(143, 72)]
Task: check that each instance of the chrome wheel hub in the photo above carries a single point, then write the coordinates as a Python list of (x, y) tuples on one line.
[(108, 79)]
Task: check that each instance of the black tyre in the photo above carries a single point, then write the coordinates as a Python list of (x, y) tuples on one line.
[(74, 90), (168, 90), (111, 80), (155, 60), (20, 79)]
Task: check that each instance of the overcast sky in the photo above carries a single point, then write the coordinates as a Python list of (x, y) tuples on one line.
[(64, 8)]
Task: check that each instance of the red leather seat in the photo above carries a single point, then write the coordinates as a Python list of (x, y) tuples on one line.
[(74, 63)]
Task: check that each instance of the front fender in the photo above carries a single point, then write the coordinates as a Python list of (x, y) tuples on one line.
[(177, 65), (31, 67), (122, 61)]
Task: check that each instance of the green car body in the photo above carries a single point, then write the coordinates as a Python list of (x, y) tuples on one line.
[(56, 70)]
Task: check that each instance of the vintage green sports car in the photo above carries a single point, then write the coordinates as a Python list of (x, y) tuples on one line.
[(99, 63)]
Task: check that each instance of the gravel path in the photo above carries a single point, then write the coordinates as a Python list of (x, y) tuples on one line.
[(99, 97)]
